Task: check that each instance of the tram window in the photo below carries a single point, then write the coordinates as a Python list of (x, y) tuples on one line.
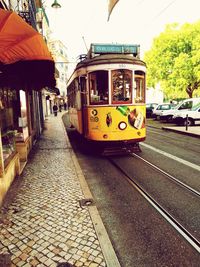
[(121, 85), (98, 85), (139, 93), (71, 94), (83, 90)]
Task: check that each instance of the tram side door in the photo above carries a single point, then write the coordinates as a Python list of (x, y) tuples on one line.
[(83, 102)]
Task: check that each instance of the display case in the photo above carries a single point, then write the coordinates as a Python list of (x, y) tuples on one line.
[(8, 145), (9, 161), (11, 110)]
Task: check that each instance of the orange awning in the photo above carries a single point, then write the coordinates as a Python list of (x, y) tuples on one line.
[(23, 53)]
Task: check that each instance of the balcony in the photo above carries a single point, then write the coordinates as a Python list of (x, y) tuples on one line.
[(28, 12)]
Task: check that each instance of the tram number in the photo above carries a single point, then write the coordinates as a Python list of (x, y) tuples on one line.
[(94, 112), (94, 119), (122, 65)]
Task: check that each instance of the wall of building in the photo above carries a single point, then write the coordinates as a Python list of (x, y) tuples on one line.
[(59, 52)]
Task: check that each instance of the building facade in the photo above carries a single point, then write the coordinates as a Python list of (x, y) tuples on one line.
[(59, 53)]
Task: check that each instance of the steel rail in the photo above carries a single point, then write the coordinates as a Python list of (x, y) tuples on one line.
[(174, 179), (195, 243)]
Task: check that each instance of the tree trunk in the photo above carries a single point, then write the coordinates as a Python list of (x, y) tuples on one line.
[(189, 90)]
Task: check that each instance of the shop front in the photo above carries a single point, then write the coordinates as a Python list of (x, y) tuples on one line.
[(26, 67), (9, 157)]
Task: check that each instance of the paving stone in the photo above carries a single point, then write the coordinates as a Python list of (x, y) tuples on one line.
[(49, 262), (16, 260), (79, 264), (34, 262), (45, 224), (20, 263), (93, 264), (67, 257)]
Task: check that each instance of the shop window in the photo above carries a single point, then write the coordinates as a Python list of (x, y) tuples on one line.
[(8, 145), (98, 87), (121, 86), (7, 122), (23, 133)]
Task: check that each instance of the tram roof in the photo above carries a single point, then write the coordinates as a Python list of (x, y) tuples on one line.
[(110, 59)]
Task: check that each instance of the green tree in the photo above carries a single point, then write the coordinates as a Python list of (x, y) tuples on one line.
[(174, 61)]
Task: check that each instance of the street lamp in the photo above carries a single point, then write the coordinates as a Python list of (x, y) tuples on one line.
[(56, 4)]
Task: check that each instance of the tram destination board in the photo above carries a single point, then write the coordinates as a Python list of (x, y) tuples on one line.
[(115, 48)]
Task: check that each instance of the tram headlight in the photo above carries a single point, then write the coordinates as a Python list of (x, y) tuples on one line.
[(122, 125)]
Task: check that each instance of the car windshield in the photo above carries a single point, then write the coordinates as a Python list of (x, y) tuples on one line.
[(165, 106), (196, 107), (177, 106), (151, 105)]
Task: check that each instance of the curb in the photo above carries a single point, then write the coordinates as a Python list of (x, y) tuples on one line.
[(175, 131), (104, 241), (181, 132)]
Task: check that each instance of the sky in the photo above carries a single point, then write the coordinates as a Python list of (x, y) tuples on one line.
[(78, 23)]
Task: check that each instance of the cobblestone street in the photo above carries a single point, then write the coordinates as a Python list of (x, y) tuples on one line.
[(42, 222)]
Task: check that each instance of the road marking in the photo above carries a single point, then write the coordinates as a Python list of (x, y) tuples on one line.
[(189, 164)]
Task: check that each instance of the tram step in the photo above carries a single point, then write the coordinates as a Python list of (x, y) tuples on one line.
[(123, 150), (114, 151)]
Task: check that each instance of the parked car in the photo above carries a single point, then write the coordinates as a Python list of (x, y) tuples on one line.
[(149, 109), (158, 109), (187, 117), (186, 104)]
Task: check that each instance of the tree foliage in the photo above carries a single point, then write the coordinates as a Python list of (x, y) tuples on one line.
[(174, 61)]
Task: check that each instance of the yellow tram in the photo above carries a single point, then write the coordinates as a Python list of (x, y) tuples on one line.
[(106, 95)]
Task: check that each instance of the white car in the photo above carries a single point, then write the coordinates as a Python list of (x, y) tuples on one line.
[(186, 104), (157, 111), (187, 117)]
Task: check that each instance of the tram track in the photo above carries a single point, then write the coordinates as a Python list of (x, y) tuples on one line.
[(171, 219), (174, 179)]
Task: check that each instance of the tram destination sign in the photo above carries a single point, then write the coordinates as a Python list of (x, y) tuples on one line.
[(115, 49)]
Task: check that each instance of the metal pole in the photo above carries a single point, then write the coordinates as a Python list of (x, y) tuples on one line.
[(186, 126)]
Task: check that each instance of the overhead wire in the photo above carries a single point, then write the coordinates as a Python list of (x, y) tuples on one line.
[(140, 2), (164, 9)]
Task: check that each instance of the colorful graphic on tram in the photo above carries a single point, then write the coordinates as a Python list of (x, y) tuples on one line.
[(135, 116), (108, 119)]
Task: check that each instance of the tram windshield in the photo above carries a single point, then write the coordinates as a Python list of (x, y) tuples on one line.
[(121, 86), (98, 85), (124, 88)]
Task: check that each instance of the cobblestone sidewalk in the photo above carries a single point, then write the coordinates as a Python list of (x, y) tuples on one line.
[(45, 224)]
